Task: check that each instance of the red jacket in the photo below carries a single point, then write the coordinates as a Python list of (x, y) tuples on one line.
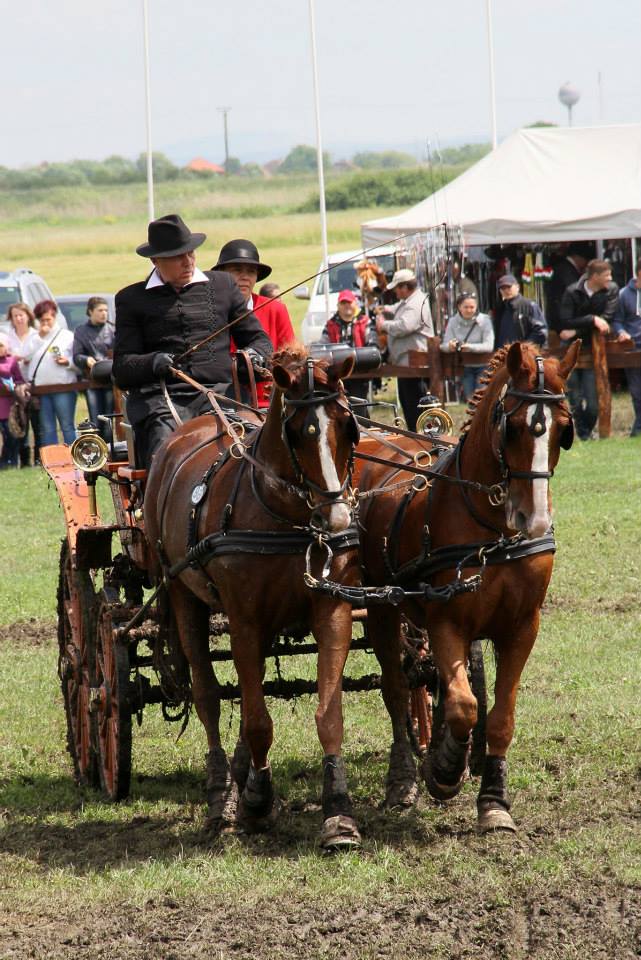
[(276, 323), (354, 333)]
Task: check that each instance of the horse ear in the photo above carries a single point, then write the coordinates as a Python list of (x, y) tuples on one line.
[(282, 377), (514, 360), (341, 369), (568, 362)]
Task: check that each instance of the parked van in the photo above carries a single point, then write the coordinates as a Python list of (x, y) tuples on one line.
[(341, 276), (23, 286)]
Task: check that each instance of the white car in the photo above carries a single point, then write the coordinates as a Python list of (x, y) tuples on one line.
[(22, 285), (342, 276)]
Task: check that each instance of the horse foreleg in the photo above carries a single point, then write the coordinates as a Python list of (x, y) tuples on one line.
[(446, 766), (332, 628), (493, 802), (257, 808), (192, 622), (384, 632)]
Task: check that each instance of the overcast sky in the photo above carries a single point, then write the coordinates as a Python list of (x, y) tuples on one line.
[(392, 73)]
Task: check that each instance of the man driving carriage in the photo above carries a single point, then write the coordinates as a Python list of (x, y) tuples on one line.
[(160, 318)]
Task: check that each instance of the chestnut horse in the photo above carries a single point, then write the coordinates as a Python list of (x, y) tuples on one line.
[(490, 488), (232, 520)]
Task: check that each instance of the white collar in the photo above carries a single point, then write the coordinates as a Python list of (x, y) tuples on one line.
[(250, 303), (155, 280)]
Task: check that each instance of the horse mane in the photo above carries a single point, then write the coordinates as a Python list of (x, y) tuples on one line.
[(294, 356), (496, 363)]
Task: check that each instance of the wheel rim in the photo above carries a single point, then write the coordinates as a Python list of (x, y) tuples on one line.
[(111, 709)]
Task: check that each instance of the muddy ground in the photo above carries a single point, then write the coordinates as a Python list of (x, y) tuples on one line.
[(591, 921), (584, 922)]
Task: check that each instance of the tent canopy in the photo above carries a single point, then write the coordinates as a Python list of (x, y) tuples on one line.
[(540, 185)]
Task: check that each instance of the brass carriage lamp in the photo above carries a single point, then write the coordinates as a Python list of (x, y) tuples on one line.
[(89, 453)]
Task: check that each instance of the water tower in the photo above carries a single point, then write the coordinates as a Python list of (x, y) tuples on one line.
[(569, 95)]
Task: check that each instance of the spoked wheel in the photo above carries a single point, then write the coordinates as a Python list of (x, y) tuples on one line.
[(76, 625), (111, 706)]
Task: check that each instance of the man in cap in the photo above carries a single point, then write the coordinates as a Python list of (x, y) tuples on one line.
[(349, 325), (240, 259), (157, 320), (517, 317), (407, 324)]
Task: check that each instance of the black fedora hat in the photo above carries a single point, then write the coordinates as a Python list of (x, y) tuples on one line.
[(242, 251), (169, 237)]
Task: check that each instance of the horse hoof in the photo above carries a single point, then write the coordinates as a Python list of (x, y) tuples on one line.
[(401, 788), (339, 833), (222, 808), (249, 822), (495, 818), (401, 795), (441, 791)]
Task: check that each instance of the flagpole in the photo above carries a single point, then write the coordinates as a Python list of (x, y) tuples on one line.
[(319, 153), (150, 167), (490, 47)]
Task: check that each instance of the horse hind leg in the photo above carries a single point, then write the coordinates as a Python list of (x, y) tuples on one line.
[(384, 631), (446, 766), (192, 622)]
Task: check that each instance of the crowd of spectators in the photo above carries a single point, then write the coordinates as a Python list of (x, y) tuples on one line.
[(582, 298)]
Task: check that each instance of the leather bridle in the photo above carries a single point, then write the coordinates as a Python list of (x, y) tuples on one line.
[(542, 397)]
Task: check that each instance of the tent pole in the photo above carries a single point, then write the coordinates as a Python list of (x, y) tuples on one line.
[(319, 152), (490, 48)]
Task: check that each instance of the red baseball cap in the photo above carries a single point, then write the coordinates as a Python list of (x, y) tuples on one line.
[(347, 296)]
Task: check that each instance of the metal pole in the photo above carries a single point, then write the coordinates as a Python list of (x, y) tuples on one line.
[(225, 111), (150, 165), (319, 154), (490, 48)]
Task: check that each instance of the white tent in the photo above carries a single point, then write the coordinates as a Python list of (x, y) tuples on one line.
[(540, 185)]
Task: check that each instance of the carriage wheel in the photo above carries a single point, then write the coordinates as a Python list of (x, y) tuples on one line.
[(476, 671), (76, 624), (111, 707)]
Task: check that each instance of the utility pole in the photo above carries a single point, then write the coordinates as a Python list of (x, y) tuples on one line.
[(150, 161), (225, 111)]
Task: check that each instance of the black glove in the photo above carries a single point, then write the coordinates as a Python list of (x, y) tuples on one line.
[(161, 364), (258, 362)]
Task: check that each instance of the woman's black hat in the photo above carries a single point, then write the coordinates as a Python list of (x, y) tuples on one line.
[(242, 252), (169, 237)]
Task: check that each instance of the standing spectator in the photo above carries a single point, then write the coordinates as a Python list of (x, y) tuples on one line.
[(627, 326), (349, 325), (51, 363), (566, 270), (93, 341), (22, 337), (240, 258), (10, 375), (460, 283), (468, 331), (269, 290), (407, 324), (517, 317), (587, 305)]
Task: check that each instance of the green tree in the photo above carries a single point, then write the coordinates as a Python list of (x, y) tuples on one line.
[(384, 160), (302, 159), (163, 168), (233, 166)]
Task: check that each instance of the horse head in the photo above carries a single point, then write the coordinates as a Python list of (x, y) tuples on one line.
[(318, 430), (529, 422)]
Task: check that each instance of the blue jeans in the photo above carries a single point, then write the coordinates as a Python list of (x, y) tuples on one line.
[(101, 403), (634, 385), (581, 389), (60, 407), (471, 377)]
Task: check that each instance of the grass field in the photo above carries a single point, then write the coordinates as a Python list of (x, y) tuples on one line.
[(83, 240), (141, 878)]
